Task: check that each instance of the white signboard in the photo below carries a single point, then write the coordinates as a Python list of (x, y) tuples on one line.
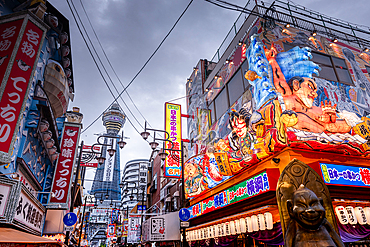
[(109, 165), (161, 228), (4, 194), (158, 228), (134, 230), (29, 213)]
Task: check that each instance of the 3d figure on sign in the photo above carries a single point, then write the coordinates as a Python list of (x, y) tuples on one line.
[(292, 72), (308, 225)]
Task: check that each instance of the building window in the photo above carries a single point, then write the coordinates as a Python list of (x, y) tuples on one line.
[(367, 69), (235, 87), (244, 69), (332, 68), (211, 108), (221, 103)]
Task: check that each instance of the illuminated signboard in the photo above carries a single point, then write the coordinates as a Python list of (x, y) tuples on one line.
[(345, 175), (263, 182), (172, 166)]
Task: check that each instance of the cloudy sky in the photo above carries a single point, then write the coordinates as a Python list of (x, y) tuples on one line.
[(130, 31)]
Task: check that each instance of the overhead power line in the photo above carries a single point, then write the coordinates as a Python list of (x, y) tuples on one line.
[(142, 68), (91, 44), (110, 64)]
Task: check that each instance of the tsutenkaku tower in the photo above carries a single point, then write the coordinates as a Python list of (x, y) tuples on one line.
[(107, 176)]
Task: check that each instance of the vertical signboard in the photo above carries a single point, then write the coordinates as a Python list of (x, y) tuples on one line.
[(64, 168), (109, 165), (172, 165), (125, 228), (134, 229), (20, 44)]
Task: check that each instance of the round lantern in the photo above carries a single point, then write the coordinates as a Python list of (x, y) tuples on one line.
[(43, 125), (367, 213), (342, 215), (351, 215), (210, 232), (52, 150), (227, 228), (206, 233), (215, 231), (269, 222), (237, 226), (248, 220), (232, 227), (63, 38), (68, 73), (65, 50), (66, 62), (261, 222), (47, 135), (254, 220), (243, 226), (221, 230), (360, 215), (50, 143)]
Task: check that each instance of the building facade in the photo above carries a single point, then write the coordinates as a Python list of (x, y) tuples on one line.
[(37, 86), (134, 179), (285, 104)]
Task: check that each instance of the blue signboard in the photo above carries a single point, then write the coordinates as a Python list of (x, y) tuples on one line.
[(345, 175), (70, 219), (184, 214)]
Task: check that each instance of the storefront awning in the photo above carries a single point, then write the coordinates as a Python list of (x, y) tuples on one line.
[(9, 235)]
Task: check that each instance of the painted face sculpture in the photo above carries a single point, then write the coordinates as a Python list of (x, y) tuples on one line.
[(306, 208), (306, 91), (239, 126)]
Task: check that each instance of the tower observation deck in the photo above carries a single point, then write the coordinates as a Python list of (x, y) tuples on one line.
[(107, 176)]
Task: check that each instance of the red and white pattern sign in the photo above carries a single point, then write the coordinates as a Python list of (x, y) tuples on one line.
[(18, 81), (64, 169)]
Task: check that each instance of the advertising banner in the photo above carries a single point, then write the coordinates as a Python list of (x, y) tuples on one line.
[(256, 185), (345, 175), (64, 168), (172, 163), (20, 43), (125, 227), (89, 157), (109, 165), (162, 228), (111, 231), (134, 229)]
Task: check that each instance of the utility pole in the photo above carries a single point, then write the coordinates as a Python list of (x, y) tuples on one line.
[(74, 189)]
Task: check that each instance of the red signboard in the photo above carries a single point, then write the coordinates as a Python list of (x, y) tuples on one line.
[(17, 83), (64, 169)]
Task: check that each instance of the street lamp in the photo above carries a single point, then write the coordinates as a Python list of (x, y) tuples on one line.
[(163, 154)]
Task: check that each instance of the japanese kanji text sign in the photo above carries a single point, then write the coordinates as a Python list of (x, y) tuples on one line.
[(345, 175), (261, 183), (172, 166), (64, 168), (29, 213), (20, 44)]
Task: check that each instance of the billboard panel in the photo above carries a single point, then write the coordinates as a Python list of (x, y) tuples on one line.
[(172, 165)]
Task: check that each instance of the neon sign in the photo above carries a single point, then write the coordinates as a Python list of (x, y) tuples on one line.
[(345, 175), (261, 183)]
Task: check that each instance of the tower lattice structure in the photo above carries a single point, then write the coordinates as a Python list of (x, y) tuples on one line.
[(113, 120)]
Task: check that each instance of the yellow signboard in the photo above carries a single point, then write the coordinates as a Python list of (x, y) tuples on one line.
[(172, 165)]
